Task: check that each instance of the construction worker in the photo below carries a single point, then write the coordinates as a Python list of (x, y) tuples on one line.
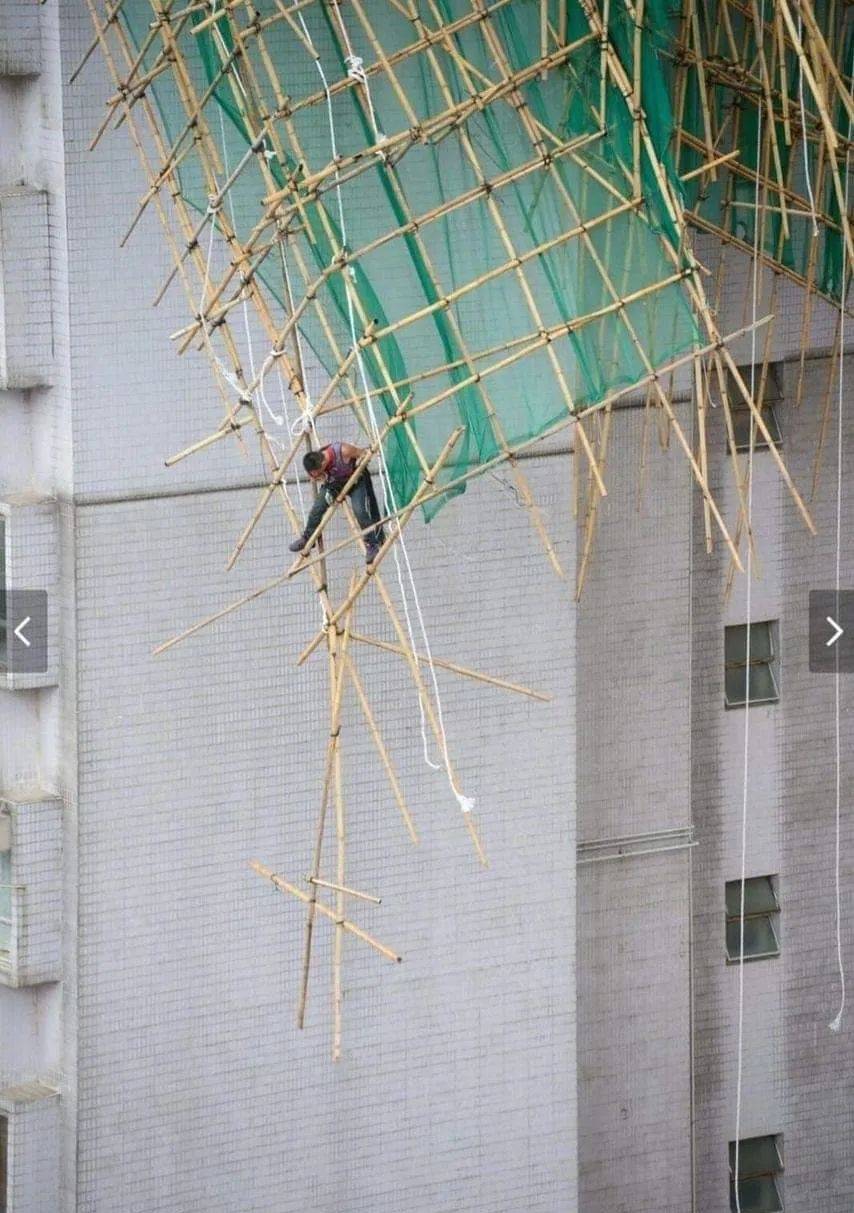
[(334, 465)]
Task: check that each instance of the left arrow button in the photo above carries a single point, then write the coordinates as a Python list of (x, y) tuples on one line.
[(19, 632)]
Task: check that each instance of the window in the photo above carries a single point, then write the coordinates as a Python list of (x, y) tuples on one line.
[(761, 909), (760, 1166), (740, 410), (758, 682)]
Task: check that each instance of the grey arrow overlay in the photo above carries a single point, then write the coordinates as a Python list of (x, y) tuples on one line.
[(831, 631), (23, 641)]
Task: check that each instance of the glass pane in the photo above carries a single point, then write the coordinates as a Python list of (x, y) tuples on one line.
[(761, 648), (761, 686), (757, 1196), (758, 896), (741, 429), (735, 643), (759, 939), (756, 1156), (773, 385)]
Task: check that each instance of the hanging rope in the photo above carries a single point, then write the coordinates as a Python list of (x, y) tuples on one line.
[(279, 419), (391, 508), (836, 1023)]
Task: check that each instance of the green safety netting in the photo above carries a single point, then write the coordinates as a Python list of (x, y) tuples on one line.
[(424, 346), (738, 115)]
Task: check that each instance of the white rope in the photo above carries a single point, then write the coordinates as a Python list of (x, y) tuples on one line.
[(748, 611), (355, 65), (278, 419), (835, 1024), (228, 376), (466, 803), (384, 473), (804, 128)]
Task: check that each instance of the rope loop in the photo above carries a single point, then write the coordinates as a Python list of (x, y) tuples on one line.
[(356, 68)]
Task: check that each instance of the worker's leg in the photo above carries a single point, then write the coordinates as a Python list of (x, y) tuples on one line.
[(365, 508), (315, 514)]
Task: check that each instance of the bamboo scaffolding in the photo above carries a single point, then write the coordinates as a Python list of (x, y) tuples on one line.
[(293, 236), (456, 482)]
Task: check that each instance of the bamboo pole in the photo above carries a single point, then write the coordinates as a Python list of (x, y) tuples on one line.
[(829, 131), (328, 884), (331, 784), (593, 505), (454, 667), (385, 758)]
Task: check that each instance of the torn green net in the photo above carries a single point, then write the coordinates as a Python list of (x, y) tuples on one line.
[(465, 349)]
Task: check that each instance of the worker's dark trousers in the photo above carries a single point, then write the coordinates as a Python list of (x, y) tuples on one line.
[(363, 501)]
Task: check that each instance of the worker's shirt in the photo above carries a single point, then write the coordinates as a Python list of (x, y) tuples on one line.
[(340, 469)]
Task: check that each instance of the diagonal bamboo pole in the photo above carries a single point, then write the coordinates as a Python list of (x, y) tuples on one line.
[(322, 908), (453, 666), (385, 758)]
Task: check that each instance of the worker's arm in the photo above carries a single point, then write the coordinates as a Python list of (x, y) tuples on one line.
[(353, 452)]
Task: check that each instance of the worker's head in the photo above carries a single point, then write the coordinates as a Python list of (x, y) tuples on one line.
[(314, 463)]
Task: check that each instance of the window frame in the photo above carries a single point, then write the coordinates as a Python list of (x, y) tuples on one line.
[(770, 663), (755, 914)]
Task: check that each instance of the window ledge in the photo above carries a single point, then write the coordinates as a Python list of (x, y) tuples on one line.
[(734, 960)]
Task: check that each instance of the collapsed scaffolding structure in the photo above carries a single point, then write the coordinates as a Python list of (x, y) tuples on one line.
[(469, 224)]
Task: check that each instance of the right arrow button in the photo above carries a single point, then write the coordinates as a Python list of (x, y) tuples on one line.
[(837, 632), (831, 632)]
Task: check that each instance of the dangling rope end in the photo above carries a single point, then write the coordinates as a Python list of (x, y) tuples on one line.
[(835, 1025)]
